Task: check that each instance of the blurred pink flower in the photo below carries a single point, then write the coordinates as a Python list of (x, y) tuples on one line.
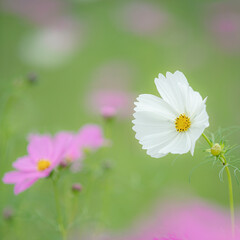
[(192, 220), (143, 18), (223, 22), (111, 102), (197, 221), (45, 153), (43, 156), (168, 238), (90, 137), (110, 95), (41, 12)]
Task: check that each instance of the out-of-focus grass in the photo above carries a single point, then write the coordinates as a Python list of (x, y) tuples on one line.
[(57, 101)]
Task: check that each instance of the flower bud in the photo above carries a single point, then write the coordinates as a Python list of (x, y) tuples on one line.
[(76, 188), (63, 164), (107, 165), (216, 149), (32, 78), (7, 213), (108, 113)]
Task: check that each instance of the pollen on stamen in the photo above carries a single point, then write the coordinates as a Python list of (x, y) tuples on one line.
[(43, 164), (182, 123)]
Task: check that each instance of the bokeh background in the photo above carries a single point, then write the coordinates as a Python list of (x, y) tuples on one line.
[(69, 51)]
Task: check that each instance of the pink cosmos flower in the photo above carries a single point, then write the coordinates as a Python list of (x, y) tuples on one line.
[(110, 96), (167, 238), (110, 102), (43, 156), (198, 220), (90, 137), (72, 150), (45, 153), (192, 220)]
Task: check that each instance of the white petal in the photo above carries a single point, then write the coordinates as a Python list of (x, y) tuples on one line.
[(195, 133), (194, 101), (198, 125), (157, 139), (154, 124), (154, 147), (173, 90), (178, 76), (200, 117), (155, 154), (146, 130), (145, 118), (181, 144), (151, 103)]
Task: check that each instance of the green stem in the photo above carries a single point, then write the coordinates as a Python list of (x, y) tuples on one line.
[(74, 208), (230, 187), (59, 212), (208, 141)]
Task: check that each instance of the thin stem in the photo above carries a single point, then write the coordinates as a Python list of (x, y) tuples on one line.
[(74, 208), (208, 141), (59, 212), (230, 187)]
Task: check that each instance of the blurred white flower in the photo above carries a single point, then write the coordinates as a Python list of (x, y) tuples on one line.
[(51, 46), (173, 123)]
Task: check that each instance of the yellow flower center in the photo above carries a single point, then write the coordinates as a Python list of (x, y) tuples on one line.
[(43, 164), (182, 123)]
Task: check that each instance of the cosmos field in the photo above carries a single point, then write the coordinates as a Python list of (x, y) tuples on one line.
[(68, 64)]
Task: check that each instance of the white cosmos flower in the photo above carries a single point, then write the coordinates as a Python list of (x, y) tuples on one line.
[(173, 123)]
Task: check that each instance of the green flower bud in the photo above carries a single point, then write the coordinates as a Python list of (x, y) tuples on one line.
[(216, 149)]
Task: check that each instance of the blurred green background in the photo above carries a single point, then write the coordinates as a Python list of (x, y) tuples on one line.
[(118, 44)]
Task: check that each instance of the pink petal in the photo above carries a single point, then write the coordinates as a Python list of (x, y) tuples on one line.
[(13, 177), (25, 164), (66, 146), (91, 136), (40, 147), (64, 139), (22, 186)]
